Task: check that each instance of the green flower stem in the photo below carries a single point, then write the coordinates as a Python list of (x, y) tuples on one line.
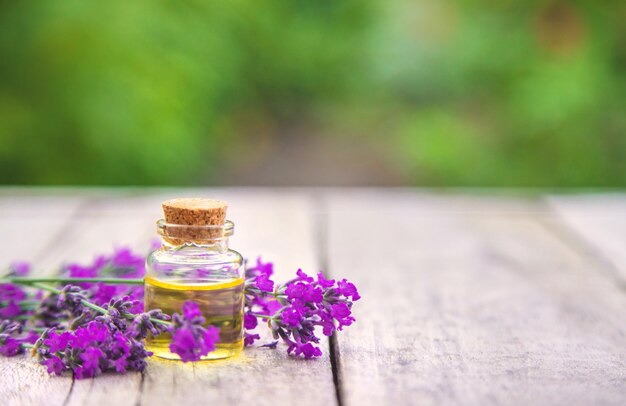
[(25, 305), (83, 301), (30, 281)]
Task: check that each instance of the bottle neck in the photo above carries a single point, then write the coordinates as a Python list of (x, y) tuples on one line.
[(201, 238), (218, 246)]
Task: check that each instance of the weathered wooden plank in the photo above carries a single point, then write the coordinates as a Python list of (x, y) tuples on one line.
[(24, 382), (599, 221), (31, 224), (471, 301)]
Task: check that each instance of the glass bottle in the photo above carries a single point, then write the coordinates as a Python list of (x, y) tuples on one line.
[(203, 270)]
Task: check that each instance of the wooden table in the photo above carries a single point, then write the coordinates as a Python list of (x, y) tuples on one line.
[(468, 298)]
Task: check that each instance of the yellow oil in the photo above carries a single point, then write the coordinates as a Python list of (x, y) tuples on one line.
[(221, 303)]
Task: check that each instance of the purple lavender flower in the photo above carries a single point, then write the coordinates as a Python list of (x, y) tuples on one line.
[(304, 292), (272, 345), (9, 291), (57, 341), (49, 313), (249, 339), (191, 312), (347, 289), (90, 350), (136, 295), (307, 350), (12, 309), (87, 271), (71, 298), (303, 277), (293, 315), (264, 283), (10, 342), (124, 259), (54, 365), (79, 271), (90, 365), (102, 293), (142, 324), (249, 321), (261, 268), (31, 337), (94, 332), (10, 346), (304, 304), (118, 313), (19, 268), (258, 297), (190, 339), (323, 282), (341, 312), (10, 297), (13, 297), (123, 263), (110, 342)]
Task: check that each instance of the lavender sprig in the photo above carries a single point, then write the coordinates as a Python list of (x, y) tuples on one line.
[(295, 309), (27, 281), (90, 350), (10, 343), (190, 341), (111, 343)]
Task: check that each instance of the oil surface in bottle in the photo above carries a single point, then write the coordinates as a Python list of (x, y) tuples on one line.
[(221, 304)]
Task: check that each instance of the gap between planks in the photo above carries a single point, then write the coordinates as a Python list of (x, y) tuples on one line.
[(320, 221)]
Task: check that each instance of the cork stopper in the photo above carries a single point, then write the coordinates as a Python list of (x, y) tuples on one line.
[(205, 217)]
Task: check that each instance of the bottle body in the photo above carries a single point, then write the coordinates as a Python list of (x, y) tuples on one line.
[(210, 275)]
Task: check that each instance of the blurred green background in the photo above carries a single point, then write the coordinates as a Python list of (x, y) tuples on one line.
[(313, 92)]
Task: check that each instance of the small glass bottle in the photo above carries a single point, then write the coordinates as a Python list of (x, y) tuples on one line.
[(194, 263)]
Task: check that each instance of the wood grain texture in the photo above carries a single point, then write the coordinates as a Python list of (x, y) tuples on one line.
[(471, 301), (600, 222), (24, 382), (31, 224)]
